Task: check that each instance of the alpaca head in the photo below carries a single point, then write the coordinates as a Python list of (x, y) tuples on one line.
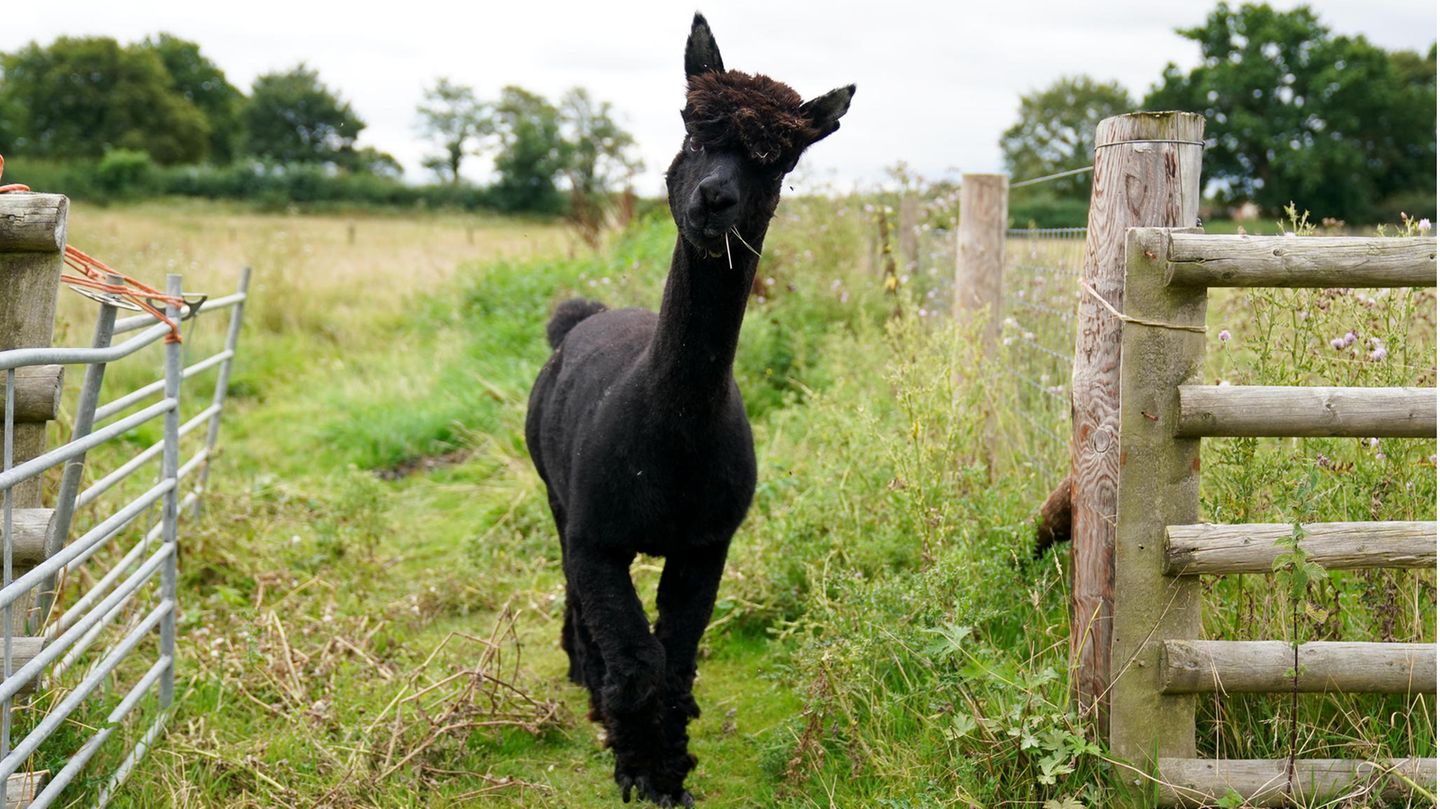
[(743, 134)]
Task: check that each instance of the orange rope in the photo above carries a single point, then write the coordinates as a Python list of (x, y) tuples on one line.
[(94, 274), (6, 189)]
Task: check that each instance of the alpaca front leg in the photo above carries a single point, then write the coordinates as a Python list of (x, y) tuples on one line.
[(634, 661), (685, 602)]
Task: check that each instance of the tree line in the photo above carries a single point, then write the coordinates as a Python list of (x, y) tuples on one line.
[(1292, 112), (159, 116)]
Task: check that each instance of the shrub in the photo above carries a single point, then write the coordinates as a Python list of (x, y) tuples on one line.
[(125, 174)]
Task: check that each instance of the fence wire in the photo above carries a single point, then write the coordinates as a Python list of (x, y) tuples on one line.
[(1037, 335)]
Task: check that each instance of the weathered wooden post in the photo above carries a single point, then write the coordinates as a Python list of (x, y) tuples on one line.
[(32, 250), (32, 255), (1147, 174), (1157, 485), (980, 257)]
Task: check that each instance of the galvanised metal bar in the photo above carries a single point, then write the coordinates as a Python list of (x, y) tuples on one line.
[(80, 446), (222, 382), (21, 357), (75, 467), (123, 471), (82, 756), (9, 551), (150, 536), (171, 463), (130, 324), (105, 530), (122, 772), (123, 403), (97, 590), (13, 684), (26, 747), (111, 609)]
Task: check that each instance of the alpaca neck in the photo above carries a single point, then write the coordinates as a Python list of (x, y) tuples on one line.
[(700, 315)]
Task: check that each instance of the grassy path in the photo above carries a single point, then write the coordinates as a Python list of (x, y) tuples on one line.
[(372, 599), (373, 520)]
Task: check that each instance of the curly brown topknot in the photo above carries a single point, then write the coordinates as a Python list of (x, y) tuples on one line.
[(749, 112)]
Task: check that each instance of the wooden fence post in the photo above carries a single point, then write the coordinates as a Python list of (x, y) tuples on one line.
[(1158, 485), (32, 245), (980, 257), (1147, 174)]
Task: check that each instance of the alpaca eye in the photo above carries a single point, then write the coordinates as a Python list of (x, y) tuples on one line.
[(694, 144)]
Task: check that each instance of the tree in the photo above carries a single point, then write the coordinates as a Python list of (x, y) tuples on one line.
[(597, 158), (1294, 113), (531, 152), (1056, 131), (204, 85), (454, 118), (80, 97), (291, 117)]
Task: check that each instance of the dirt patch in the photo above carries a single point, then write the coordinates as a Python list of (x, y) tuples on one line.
[(425, 463)]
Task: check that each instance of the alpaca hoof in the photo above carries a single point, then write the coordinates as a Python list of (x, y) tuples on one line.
[(684, 799), (626, 784)]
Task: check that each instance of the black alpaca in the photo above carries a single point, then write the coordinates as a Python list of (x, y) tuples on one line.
[(637, 427)]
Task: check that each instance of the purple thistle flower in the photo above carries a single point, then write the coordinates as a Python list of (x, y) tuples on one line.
[(1379, 354), (1224, 335), (1424, 226), (1338, 343), (1350, 337)]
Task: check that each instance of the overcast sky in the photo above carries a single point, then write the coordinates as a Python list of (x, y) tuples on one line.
[(938, 81)]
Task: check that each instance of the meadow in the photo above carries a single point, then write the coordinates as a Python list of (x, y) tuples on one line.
[(371, 601)]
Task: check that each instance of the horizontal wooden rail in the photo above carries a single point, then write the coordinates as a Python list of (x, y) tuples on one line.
[(1199, 259), (1192, 550), (1214, 410), (37, 392), (1268, 667), (21, 788), (1267, 782), (33, 223), (29, 527)]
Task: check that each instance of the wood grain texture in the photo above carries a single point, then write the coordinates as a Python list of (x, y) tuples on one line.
[(980, 259), (1268, 667), (30, 527), (33, 223), (1311, 261), (22, 787), (1158, 486), (1137, 182), (1267, 410), (1268, 782), (1192, 550), (37, 393), (29, 285)]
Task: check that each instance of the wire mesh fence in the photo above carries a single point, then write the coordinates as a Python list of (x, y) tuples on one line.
[(1037, 335), (89, 625)]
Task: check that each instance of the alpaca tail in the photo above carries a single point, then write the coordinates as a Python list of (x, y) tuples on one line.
[(567, 316)]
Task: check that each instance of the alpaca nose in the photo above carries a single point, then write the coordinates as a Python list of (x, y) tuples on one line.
[(718, 195)]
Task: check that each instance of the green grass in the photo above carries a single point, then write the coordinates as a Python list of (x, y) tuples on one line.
[(882, 637)]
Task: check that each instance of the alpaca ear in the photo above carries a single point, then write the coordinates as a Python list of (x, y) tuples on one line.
[(701, 53), (824, 112)]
